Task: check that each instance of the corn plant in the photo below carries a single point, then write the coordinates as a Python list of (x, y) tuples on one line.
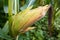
[(29, 20)]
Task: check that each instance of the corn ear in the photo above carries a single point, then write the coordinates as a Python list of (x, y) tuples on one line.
[(26, 18)]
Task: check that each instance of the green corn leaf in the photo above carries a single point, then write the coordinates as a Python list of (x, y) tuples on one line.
[(27, 4), (57, 14), (4, 36), (5, 29)]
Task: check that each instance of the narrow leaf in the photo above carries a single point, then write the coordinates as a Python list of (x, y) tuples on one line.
[(5, 29)]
